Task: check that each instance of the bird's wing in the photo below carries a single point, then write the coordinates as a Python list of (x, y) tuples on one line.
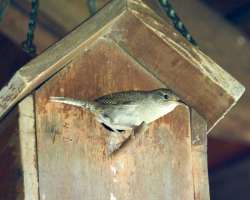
[(120, 98)]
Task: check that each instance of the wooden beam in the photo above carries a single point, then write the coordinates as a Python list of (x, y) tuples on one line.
[(57, 19), (64, 18), (231, 49), (15, 26), (54, 21)]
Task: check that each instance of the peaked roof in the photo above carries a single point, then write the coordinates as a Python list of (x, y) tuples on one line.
[(216, 93)]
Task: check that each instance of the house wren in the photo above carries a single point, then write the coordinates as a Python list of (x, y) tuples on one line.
[(127, 110)]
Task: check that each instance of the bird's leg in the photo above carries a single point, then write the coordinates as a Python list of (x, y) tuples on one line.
[(115, 141), (139, 129)]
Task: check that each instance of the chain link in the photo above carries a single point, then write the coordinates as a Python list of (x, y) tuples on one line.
[(178, 24), (28, 45), (92, 6)]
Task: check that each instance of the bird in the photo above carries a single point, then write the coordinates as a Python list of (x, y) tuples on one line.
[(126, 110)]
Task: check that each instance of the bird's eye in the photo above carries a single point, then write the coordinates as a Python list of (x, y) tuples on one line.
[(165, 96)]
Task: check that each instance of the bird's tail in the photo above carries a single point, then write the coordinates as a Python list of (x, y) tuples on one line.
[(79, 103)]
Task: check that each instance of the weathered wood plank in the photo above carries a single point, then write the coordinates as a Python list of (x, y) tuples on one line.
[(15, 25), (27, 138), (199, 156), (63, 17), (73, 163)]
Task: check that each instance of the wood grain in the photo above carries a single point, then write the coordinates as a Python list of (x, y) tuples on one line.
[(199, 156), (27, 137), (72, 158), (15, 26)]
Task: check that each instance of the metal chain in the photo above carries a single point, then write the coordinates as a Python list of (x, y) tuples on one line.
[(28, 45), (178, 24), (3, 7), (92, 6)]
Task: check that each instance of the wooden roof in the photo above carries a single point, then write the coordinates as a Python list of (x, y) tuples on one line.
[(147, 37)]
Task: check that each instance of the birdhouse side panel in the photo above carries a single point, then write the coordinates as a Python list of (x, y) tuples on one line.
[(199, 156), (28, 148)]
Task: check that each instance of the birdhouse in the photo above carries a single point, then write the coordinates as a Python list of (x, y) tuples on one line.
[(54, 151)]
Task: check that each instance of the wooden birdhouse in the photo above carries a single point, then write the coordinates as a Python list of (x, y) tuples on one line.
[(54, 151)]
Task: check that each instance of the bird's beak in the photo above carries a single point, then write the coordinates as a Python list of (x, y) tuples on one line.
[(180, 101), (177, 99)]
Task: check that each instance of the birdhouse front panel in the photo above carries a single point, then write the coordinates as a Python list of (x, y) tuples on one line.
[(72, 157)]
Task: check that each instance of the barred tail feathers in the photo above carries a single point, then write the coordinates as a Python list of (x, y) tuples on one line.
[(74, 102)]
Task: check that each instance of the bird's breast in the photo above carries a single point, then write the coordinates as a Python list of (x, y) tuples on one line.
[(129, 116), (156, 111)]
